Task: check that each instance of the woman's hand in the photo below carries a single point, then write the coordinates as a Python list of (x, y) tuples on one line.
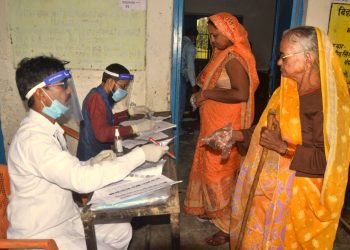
[(200, 98), (272, 139)]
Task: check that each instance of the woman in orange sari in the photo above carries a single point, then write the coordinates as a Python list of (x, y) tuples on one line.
[(227, 84), (300, 193)]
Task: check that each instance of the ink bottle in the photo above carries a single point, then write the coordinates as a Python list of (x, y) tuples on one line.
[(118, 143)]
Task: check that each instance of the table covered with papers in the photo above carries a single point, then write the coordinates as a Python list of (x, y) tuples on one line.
[(140, 194), (144, 186)]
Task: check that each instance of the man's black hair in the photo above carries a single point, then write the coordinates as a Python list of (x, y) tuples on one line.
[(31, 71), (114, 68)]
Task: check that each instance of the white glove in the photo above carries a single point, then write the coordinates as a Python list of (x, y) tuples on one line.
[(154, 152), (134, 110), (143, 126), (105, 155)]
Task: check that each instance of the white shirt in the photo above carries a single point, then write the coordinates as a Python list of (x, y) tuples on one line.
[(188, 57), (43, 173)]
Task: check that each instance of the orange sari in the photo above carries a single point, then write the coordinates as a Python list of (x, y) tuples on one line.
[(291, 212), (211, 180)]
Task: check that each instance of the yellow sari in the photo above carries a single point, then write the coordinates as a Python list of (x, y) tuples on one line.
[(297, 212)]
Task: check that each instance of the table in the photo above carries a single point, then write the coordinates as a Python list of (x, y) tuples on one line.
[(171, 208)]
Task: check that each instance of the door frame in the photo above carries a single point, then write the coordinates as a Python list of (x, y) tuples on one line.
[(178, 12), (288, 14)]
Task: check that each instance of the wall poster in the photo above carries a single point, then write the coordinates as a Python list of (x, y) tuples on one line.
[(339, 33)]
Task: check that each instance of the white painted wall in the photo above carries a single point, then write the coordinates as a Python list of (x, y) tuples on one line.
[(151, 86), (317, 13), (12, 109)]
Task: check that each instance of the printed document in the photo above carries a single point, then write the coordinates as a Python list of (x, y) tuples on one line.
[(124, 190)]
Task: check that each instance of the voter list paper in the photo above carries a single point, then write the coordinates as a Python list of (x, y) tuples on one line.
[(124, 190)]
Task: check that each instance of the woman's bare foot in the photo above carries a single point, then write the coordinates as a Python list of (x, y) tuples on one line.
[(218, 239)]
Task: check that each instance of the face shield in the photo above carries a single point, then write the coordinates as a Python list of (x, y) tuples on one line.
[(63, 79), (128, 77), (120, 94)]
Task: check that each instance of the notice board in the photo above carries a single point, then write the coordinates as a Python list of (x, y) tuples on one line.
[(89, 34), (339, 33)]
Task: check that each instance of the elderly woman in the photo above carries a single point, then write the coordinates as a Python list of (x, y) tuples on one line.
[(227, 86), (300, 193)]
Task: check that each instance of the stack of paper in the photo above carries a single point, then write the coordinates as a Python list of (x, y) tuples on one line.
[(160, 125), (143, 137), (124, 190), (136, 189), (147, 169)]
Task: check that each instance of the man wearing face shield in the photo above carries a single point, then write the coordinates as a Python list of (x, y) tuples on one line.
[(43, 173), (99, 125)]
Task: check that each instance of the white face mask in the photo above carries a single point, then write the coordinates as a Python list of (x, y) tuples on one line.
[(119, 94), (56, 109)]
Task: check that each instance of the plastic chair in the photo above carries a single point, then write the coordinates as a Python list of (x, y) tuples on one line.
[(71, 132), (48, 244)]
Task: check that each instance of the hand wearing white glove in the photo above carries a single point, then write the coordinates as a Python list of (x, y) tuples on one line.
[(154, 152), (143, 126), (105, 155)]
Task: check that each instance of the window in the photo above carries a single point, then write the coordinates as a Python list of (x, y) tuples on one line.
[(202, 43)]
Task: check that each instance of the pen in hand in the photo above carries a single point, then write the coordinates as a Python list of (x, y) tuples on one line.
[(158, 143)]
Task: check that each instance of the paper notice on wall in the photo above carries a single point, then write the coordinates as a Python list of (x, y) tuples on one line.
[(339, 33), (139, 5)]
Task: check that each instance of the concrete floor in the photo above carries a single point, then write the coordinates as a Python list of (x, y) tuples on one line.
[(192, 232)]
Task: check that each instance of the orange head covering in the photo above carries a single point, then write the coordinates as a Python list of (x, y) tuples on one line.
[(233, 30)]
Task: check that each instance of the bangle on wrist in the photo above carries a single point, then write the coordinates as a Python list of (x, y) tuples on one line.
[(290, 150)]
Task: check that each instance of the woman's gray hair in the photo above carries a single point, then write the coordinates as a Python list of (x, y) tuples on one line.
[(305, 37)]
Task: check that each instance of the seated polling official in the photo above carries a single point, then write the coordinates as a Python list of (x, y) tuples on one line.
[(99, 125), (43, 173)]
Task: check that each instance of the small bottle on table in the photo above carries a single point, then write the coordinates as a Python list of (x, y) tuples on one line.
[(118, 143)]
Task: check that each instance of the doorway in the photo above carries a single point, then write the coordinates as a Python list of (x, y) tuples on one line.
[(281, 12)]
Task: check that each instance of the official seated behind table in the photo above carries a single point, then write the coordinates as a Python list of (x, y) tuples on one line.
[(42, 171), (100, 126)]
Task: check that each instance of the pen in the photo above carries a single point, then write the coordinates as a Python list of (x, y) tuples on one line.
[(158, 143)]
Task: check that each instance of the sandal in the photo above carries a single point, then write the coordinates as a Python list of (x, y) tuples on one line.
[(203, 218), (218, 239)]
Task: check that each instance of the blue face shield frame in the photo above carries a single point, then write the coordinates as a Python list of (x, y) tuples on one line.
[(128, 77), (51, 80), (57, 77), (125, 77)]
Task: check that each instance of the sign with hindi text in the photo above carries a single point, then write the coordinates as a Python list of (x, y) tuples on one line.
[(339, 33)]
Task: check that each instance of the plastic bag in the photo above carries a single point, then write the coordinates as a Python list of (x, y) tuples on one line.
[(155, 198), (193, 102), (221, 140)]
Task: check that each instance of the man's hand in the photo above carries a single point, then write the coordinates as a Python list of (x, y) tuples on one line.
[(154, 152), (272, 139), (143, 126), (105, 155)]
